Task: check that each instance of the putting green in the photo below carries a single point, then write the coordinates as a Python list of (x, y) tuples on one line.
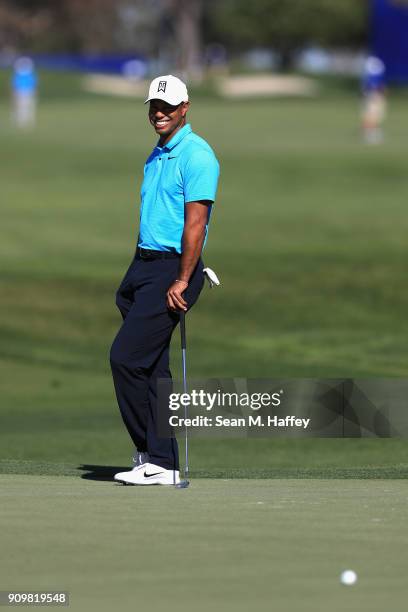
[(221, 544)]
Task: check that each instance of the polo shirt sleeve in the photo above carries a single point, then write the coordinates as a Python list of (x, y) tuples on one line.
[(200, 178)]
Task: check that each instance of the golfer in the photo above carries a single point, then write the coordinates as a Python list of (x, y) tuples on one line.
[(374, 101), (165, 276), (24, 87)]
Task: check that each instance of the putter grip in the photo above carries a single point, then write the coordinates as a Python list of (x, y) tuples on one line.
[(183, 329)]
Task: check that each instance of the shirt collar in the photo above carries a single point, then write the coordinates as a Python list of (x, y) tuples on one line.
[(186, 129)]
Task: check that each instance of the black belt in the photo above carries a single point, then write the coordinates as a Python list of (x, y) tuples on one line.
[(148, 254)]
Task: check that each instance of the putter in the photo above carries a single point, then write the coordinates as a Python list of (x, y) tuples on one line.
[(213, 281), (183, 484)]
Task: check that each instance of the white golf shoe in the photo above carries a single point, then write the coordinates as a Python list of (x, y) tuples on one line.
[(149, 474)]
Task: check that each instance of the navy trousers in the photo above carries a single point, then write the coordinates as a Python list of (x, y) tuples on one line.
[(140, 352)]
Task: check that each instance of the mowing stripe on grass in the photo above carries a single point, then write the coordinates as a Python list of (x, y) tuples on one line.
[(104, 472)]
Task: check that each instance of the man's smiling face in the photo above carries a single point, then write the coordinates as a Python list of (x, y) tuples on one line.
[(167, 119)]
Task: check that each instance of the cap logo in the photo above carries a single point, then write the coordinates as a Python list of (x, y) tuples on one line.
[(162, 86)]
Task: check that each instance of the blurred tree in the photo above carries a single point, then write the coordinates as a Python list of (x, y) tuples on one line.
[(287, 25), (67, 25), (93, 24), (187, 19), (37, 25), (20, 26)]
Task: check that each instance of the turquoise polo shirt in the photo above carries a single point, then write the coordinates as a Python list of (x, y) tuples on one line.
[(184, 170)]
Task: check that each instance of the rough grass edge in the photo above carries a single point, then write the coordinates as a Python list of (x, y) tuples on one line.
[(103, 472)]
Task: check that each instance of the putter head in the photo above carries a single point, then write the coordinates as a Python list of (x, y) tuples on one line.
[(211, 277), (183, 484)]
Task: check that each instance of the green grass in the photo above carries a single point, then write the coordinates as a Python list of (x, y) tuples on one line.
[(308, 237), (396, 471), (225, 545)]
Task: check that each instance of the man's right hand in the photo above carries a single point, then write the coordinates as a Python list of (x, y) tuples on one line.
[(175, 300)]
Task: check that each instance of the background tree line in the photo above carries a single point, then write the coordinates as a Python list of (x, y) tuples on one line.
[(184, 26)]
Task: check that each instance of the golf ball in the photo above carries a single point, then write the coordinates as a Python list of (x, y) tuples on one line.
[(348, 577)]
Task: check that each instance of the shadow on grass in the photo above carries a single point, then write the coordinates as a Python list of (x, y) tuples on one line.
[(100, 472)]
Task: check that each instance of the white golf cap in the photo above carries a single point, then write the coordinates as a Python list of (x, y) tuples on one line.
[(168, 88)]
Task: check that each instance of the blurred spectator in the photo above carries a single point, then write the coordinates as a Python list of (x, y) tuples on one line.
[(24, 87), (374, 102), (216, 60)]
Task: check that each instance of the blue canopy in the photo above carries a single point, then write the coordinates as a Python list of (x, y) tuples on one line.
[(389, 37)]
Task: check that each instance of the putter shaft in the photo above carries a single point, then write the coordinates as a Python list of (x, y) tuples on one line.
[(184, 370)]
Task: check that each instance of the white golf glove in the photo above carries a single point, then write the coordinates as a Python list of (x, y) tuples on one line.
[(212, 278)]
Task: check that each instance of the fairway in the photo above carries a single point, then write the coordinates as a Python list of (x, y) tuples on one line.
[(308, 237), (225, 544)]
